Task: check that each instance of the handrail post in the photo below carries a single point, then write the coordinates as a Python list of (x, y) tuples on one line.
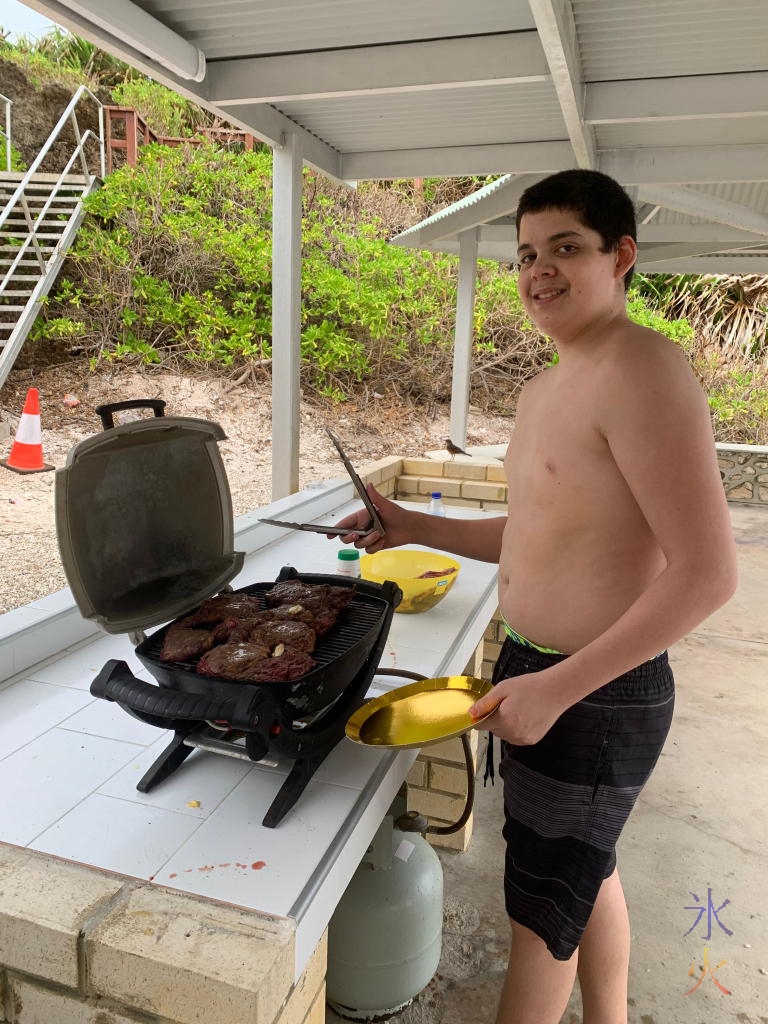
[(8, 153), (102, 145)]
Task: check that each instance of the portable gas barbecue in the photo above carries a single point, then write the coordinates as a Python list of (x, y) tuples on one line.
[(145, 528)]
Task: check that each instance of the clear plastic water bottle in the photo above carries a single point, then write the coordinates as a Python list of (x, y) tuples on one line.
[(348, 562), (435, 506)]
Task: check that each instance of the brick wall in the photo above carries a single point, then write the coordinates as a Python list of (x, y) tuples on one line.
[(79, 946)]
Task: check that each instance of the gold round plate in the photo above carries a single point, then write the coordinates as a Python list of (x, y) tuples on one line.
[(418, 714)]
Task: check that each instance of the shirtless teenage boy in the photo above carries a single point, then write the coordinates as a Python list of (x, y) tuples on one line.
[(617, 543)]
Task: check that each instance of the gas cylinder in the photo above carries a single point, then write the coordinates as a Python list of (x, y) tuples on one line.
[(385, 937)]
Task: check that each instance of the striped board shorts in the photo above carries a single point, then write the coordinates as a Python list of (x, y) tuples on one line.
[(567, 797)]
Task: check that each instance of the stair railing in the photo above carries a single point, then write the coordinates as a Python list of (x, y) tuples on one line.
[(7, 104), (19, 197)]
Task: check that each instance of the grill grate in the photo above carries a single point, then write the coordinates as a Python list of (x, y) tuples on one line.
[(353, 625), (339, 655)]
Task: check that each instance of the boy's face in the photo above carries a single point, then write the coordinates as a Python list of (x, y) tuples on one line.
[(566, 281)]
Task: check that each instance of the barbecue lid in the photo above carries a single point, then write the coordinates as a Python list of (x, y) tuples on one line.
[(144, 519)]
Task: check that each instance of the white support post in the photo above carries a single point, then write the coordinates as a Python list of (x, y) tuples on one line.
[(286, 315), (462, 348)]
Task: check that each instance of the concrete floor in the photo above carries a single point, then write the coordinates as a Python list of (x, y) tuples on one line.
[(699, 824)]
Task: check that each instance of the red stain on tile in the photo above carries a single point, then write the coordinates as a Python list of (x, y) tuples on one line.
[(206, 867), (174, 875), (225, 865), (258, 865), (241, 865)]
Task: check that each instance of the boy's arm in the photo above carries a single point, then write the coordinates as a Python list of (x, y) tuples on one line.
[(473, 538), (658, 428), (659, 432)]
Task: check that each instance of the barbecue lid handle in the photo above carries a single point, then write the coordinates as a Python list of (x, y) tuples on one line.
[(106, 411)]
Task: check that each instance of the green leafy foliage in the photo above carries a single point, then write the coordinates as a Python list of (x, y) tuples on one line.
[(174, 262), (165, 111)]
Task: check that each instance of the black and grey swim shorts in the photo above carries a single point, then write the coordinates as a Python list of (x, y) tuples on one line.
[(567, 797)]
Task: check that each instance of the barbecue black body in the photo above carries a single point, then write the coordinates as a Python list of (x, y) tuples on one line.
[(303, 719)]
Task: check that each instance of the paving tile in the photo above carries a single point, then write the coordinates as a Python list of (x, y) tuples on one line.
[(233, 858), (78, 666), (204, 778), (50, 776), (28, 709), (117, 835), (105, 718)]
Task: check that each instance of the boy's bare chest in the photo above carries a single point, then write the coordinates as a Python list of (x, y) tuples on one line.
[(557, 449)]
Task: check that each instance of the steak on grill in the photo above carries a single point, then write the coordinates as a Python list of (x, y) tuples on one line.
[(223, 606), (251, 662), (233, 661), (183, 644), (316, 597), (297, 635)]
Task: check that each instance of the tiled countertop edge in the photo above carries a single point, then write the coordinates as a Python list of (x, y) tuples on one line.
[(44, 627)]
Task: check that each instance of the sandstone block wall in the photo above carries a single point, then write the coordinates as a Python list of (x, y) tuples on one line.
[(80, 946)]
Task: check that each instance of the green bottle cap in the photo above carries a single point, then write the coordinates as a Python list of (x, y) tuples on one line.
[(349, 554)]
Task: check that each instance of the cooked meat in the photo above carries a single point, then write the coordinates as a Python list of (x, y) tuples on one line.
[(183, 644), (223, 606), (296, 635), (233, 661), (239, 629), (320, 621), (316, 597), (232, 625), (290, 665), (251, 662)]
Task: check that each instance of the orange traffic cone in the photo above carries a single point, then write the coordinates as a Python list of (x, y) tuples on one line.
[(27, 449)]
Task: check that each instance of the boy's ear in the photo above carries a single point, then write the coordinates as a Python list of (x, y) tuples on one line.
[(626, 255)]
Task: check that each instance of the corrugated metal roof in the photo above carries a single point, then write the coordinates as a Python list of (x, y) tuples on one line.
[(432, 118), (226, 28), (621, 39), (462, 204), (476, 94)]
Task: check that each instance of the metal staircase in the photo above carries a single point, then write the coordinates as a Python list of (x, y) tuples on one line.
[(41, 214)]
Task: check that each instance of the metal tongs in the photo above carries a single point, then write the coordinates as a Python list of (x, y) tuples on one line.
[(375, 523)]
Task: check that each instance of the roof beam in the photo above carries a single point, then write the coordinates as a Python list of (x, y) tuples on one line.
[(672, 99), (517, 158), (511, 58), (557, 32), (269, 124), (674, 250), (263, 121), (742, 265), (698, 204), (710, 234), (680, 165)]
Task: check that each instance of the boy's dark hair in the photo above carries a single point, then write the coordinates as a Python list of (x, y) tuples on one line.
[(598, 201)]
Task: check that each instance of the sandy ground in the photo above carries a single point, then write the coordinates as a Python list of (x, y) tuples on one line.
[(30, 566)]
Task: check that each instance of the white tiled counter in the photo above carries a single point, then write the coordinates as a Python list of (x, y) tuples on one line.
[(69, 763)]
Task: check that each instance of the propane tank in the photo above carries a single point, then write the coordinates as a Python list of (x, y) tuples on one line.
[(385, 937)]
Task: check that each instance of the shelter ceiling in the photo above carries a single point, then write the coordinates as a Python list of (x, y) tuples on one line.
[(657, 93)]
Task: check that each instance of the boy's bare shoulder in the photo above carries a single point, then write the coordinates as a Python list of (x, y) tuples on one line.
[(639, 354), (534, 385)]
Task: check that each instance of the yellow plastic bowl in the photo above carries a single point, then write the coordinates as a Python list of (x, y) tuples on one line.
[(404, 567)]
